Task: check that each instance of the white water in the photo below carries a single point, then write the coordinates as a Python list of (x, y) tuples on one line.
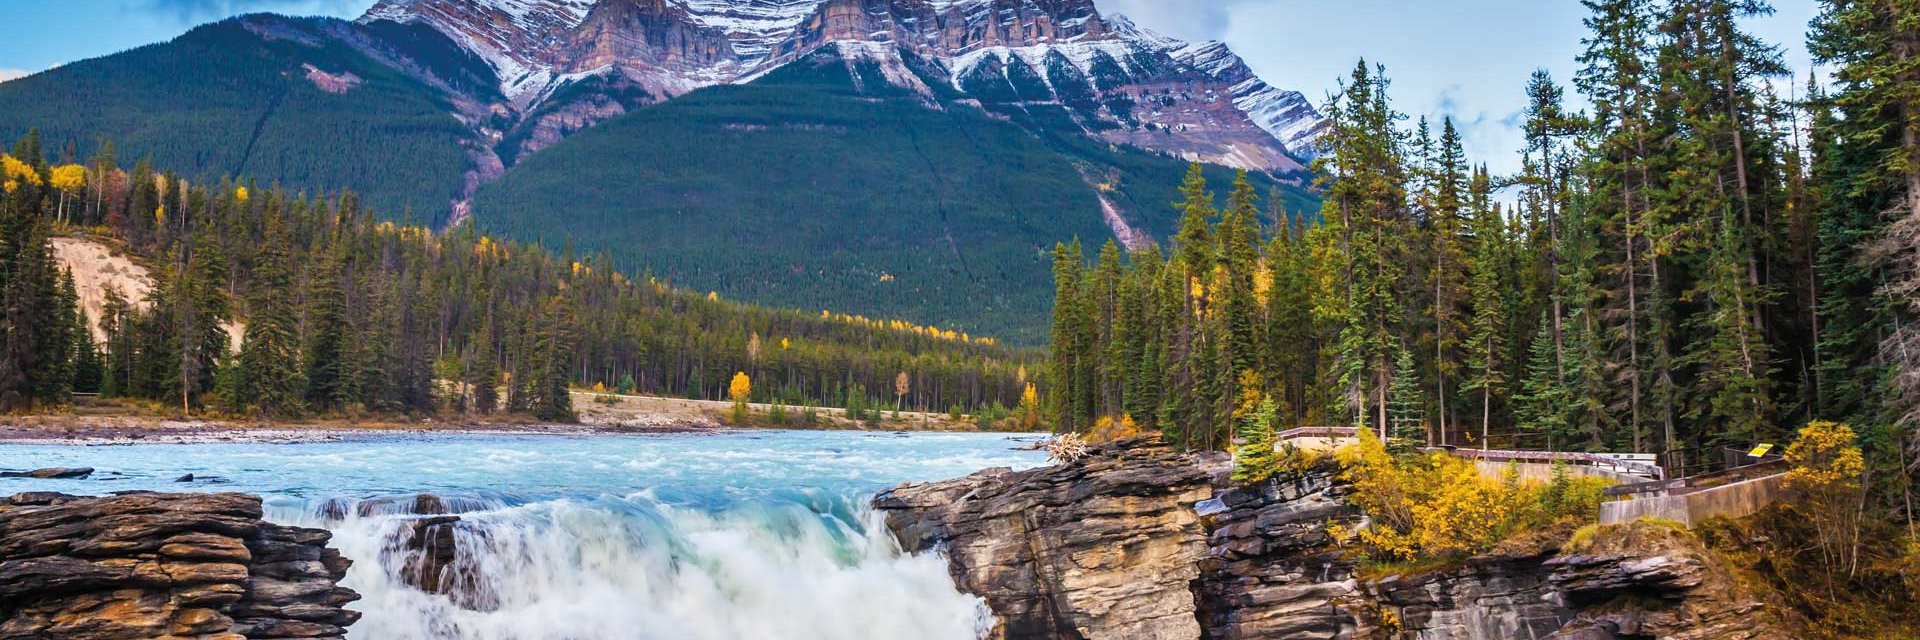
[(763, 536)]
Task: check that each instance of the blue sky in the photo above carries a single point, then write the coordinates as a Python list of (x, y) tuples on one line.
[(1468, 59)]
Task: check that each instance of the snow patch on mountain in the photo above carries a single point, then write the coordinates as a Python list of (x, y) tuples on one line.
[(534, 48), (754, 26), (1081, 54)]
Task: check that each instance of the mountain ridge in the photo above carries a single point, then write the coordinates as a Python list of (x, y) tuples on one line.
[(1196, 100)]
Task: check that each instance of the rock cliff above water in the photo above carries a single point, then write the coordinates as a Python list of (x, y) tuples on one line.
[(1140, 541), (173, 566)]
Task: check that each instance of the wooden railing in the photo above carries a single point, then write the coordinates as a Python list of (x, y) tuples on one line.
[(1625, 467), (1319, 432)]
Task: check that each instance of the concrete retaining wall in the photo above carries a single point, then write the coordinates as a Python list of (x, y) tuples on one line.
[(1733, 501)]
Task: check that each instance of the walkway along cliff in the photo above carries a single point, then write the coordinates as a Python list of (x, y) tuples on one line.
[(1138, 541)]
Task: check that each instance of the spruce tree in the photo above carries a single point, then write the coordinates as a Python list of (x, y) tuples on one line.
[(483, 369), (1871, 160), (269, 361), (1239, 235), (1486, 345), (327, 333), (1257, 460), (1407, 404), (549, 391), (1449, 274), (1541, 402)]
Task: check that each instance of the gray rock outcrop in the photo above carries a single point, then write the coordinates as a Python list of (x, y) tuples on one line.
[(1139, 541), (173, 566)]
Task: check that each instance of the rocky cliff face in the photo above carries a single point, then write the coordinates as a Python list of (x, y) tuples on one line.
[(177, 566), (1104, 548), (1137, 542)]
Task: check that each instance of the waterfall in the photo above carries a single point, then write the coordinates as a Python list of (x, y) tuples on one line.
[(797, 566)]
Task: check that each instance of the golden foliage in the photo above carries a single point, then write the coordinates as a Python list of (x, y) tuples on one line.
[(17, 173), (1109, 429), (1433, 505), (69, 178), (1263, 283), (1826, 469), (741, 388), (1030, 408), (240, 194), (1252, 393), (1826, 462)]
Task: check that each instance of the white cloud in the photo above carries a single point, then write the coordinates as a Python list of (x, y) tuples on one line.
[(13, 74)]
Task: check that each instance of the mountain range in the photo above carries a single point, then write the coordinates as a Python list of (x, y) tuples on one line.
[(913, 158)]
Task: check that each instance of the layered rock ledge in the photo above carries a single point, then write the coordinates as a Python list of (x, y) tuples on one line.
[(1138, 541), (166, 566)]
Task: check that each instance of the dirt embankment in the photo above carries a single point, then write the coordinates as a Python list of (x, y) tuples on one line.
[(97, 268)]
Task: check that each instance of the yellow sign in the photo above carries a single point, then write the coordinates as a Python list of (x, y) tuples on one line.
[(1760, 451)]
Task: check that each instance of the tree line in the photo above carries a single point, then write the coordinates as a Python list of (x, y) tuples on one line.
[(276, 304), (1695, 262)]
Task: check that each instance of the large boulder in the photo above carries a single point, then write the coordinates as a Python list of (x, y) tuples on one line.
[(154, 565)]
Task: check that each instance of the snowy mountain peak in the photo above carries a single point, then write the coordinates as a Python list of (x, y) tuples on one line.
[(1193, 99)]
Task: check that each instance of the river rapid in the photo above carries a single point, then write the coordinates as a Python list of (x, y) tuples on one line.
[(729, 536)]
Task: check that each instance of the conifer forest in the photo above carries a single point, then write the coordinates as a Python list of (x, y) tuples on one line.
[(273, 304), (1697, 261)]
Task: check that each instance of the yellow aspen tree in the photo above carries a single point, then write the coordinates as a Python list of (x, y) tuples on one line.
[(901, 385), (1826, 469), (740, 390), (68, 180), (1030, 408)]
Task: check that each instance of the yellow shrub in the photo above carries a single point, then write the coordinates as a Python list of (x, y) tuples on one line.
[(1108, 429), (1431, 505)]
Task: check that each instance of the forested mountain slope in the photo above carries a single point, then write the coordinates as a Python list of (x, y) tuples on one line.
[(238, 299), (825, 185), (257, 96), (905, 158)]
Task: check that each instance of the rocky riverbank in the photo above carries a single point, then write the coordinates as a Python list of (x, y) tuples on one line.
[(1138, 541), (175, 566)]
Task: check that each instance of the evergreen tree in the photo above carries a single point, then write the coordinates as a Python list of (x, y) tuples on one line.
[(1486, 345), (1619, 183), (1544, 396), (1449, 274), (1257, 460), (549, 391), (1407, 404), (269, 361), (1367, 196), (326, 334), (1239, 234), (483, 370), (1869, 157)]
